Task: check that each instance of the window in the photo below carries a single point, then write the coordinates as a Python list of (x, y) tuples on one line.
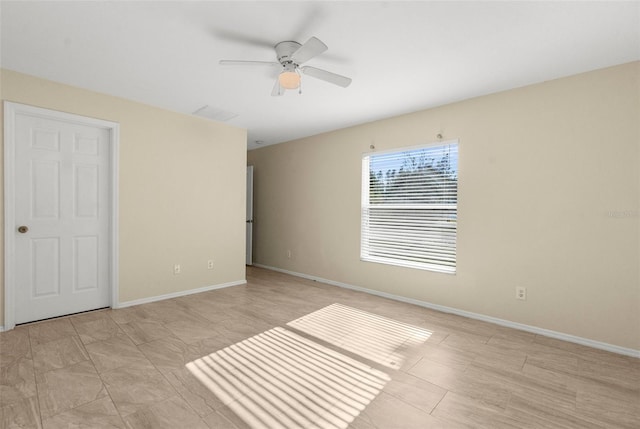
[(410, 207)]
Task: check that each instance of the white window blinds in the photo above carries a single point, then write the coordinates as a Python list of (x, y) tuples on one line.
[(409, 207)]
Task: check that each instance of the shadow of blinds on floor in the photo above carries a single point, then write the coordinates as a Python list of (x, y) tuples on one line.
[(278, 379)]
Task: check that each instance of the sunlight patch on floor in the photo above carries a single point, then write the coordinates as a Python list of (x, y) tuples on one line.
[(278, 379), (373, 337)]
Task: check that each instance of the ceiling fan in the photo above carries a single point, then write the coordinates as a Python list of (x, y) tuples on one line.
[(290, 56)]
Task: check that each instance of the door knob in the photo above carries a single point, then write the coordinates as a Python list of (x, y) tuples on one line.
[(22, 229)]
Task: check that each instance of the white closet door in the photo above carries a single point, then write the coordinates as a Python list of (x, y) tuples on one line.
[(62, 215)]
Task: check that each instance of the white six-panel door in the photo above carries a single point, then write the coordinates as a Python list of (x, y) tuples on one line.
[(62, 215)]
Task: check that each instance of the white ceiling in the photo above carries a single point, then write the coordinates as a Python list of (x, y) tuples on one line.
[(402, 56)]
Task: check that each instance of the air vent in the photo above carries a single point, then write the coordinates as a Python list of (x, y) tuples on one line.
[(215, 113)]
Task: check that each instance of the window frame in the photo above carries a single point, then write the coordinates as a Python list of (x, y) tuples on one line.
[(365, 206)]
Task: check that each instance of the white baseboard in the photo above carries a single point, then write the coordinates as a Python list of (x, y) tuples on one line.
[(171, 295), (509, 324), (178, 294)]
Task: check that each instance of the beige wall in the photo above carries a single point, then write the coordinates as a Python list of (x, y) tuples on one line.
[(549, 192), (182, 188)]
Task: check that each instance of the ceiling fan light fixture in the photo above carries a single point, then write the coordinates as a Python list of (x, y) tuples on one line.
[(289, 79)]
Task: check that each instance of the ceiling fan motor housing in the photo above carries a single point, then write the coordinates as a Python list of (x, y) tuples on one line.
[(284, 50)]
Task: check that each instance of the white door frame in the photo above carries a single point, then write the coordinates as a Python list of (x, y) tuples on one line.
[(10, 111), (249, 228)]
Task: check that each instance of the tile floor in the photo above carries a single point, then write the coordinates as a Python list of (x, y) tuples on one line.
[(157, 366)]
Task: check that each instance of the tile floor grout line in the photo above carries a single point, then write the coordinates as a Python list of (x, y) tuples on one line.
[(105, 384), (35, 379), (447, 391)]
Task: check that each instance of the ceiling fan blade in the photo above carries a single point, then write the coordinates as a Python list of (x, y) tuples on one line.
[(309, 50), (248, 63), (277, 89), (333, 78)]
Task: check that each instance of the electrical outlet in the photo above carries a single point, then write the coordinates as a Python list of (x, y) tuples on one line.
[(521, 293), (177, 269), (210, 264)]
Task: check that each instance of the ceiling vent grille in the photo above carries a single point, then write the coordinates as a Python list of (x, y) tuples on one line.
[(215, 113)]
